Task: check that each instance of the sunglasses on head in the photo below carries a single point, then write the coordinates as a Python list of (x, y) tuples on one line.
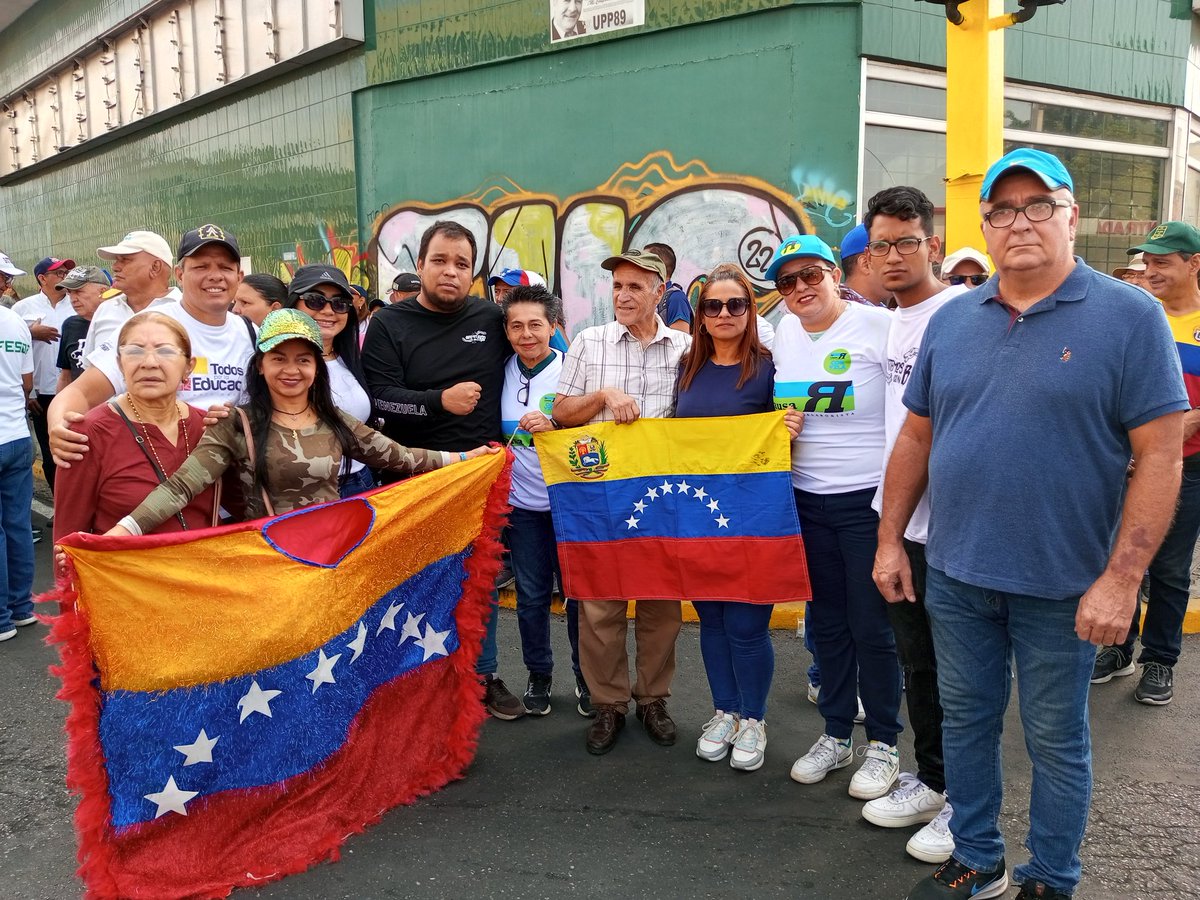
[(812, 276), (317, 302), (976, 280), (737, 306)]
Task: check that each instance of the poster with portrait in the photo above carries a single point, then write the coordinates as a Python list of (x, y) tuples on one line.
[(571, 19)]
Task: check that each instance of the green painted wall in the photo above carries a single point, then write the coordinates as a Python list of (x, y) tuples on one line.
[(1125, 48)]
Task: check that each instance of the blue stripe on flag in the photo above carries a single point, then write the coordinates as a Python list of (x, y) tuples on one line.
[(1189, 357)]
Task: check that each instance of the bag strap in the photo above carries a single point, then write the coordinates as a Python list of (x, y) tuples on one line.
[(141, 442), (250, 452)]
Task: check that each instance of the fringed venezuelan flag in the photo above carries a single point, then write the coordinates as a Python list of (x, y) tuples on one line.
[(244, 699), (679, 509)]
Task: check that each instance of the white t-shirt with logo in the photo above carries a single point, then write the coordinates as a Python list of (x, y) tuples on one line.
[(110, 316), (16, 360), (528, 484), (222, 356), (837, 381), (38, 308), (904, 342), (349, 397)]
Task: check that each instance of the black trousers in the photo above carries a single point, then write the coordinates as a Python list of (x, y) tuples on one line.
[(42, 433)]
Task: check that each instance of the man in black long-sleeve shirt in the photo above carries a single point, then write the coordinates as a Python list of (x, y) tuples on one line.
[(435, 366)]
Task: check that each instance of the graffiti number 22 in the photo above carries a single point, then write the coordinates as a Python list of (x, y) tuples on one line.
[(755, 251)]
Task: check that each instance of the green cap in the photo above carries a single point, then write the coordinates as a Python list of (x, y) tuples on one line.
[(643, 259), (1170, 237), (288, 325)]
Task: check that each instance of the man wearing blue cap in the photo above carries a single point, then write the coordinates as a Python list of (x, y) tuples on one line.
[(1031, 561), (860, 280)]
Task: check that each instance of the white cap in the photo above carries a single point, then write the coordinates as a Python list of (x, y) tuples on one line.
[(963, 255), (138, 242), (7, 267), (1137, 263)]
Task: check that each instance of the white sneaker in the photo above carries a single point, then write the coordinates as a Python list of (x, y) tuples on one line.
[(814, 692), (875, 776), (28, 620), (749, 745), (827, 754), (8, 635), (862, 713), (912, 802), (933, 843), (716, 737)]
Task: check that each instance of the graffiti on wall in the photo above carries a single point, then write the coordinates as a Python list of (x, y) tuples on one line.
[(707, 218), (822, 198), (344, 254)]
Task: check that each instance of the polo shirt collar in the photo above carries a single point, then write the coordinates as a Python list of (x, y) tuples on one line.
[(1074, 287), (619, 333)]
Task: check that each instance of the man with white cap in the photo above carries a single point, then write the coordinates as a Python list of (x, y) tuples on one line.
[(1134, 271), (965, 267), (141, 267), (8, 272)]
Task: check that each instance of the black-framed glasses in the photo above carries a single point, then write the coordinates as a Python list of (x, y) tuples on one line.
[(525, 382), (1037, 211), (905, 246), (317, 302), (976, 280), (737, 307), (811, 276)]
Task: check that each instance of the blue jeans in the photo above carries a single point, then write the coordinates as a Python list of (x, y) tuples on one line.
[(848, 616), (16, 536), (533, 554), (357, 482), (735, 642), (978, 634), (1170, 582), (487, 662)]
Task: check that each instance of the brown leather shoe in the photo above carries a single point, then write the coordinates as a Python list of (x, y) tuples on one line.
[(602, 733), (659, 724)]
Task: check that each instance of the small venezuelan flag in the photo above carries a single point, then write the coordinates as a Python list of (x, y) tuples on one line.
[(678, 509), (245, 698)]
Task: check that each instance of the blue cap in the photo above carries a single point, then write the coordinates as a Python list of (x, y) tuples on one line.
[(796, 246), (855, 242), (1044, 165)]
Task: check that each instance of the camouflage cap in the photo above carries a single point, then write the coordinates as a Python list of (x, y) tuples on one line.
[(288, 325)]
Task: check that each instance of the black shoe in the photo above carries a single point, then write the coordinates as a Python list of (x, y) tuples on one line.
[(584, 706), (602, 733), (658, 722), (1156, 686), (500, 701), (1111, 662), (1039, 890), (953, 879), (537, 695)]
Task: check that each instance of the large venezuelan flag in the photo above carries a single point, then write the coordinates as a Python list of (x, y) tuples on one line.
[(678, 509), (245, 698)]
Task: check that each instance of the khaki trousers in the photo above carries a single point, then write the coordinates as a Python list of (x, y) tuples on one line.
[(603, 627)]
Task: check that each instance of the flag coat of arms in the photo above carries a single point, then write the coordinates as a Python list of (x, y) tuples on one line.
[(245, 698), (676, 509)]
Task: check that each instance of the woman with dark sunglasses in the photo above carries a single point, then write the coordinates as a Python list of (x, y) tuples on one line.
[(728, 372), (323, 292)]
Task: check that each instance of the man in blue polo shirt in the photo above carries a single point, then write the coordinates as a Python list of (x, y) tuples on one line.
[(1029, 397)]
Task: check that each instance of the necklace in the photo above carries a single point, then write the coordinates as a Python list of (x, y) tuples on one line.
[(294, 416), (146, 431)]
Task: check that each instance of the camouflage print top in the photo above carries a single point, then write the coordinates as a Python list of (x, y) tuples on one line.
[(304, 469)]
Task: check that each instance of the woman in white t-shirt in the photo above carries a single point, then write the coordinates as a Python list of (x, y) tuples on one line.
[(830, 362), (323, 292)]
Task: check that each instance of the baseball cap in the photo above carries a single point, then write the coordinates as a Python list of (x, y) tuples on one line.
[(308, 277), (1170, 237), (1137, 264), (796, 246), (1045, 166), (855, 242), (52, 264), (140, 242), (639, 258), (406, 283), (203, 236), (81, 275), (7, 267), (517, 277), (361, 292), (288, 325), (962, 255)]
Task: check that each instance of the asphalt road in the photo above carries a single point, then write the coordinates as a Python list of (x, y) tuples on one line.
[(537, 817)]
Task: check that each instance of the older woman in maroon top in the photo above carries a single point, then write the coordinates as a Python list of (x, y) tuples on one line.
[(139, 438)]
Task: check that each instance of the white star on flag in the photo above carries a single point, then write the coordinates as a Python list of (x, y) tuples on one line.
[(433, 643), (683, 487), (665, 487), (699, 493), (171, 798), (323, 673), (256, 700), (652, 494), (359, 642), (199, 751), (412, 628), (722, 522), (632, 521), (640, 506), (389, 618), (712, 505)]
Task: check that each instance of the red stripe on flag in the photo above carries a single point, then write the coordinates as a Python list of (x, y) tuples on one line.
[(773, 569)]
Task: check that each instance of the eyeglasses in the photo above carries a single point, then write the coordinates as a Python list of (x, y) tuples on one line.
[(737, 307), (811, 276), (1037, 211), (976, 280), (905, 246), (163, 352), (317, 302), (525, 382)]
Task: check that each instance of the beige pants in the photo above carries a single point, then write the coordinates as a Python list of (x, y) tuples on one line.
[(603, 627)]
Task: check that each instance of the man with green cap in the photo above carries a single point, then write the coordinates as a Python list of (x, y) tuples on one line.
[(1172, 258)]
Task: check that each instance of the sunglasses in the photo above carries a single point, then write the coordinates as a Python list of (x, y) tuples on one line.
[(812, 276), (737, 306), (317, 302), (976, 280)]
